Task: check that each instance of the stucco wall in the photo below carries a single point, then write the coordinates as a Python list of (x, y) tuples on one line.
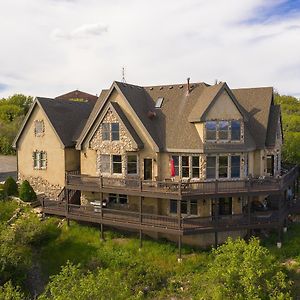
[(50, 180)]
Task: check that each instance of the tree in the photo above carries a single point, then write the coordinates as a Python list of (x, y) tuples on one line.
[(241, 270), (73, 284), (26, 192), (10, 187), (9, 112)]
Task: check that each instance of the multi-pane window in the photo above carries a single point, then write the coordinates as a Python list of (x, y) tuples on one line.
[(115, 131), (235, 130), (105, 163), (235, 166), (223, 130), (195, 167), (105, 131), (39, 127), (111, 164), (211, 130), (117, 164), (110, 131), (225, 206), (185, 166), (270, 164), (211, 167), (40, 160), (176, 164), (187, 207), (223, 166), (132, 165), (117, 199)]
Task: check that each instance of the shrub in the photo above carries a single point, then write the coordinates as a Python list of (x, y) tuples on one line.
[(8, 291), (26, 192), (10, 187), (2, 194)]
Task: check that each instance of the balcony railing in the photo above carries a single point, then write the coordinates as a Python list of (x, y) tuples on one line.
[(181, 188), (163, 223)]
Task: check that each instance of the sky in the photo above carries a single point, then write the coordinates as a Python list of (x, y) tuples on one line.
[(50, 47)]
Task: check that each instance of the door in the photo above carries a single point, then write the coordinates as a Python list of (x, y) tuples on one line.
[(148, 169)]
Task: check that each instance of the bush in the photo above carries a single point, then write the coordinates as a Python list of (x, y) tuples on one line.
[(2, 194), (10, 187), (26, 192), (8, 291), (5, 146)]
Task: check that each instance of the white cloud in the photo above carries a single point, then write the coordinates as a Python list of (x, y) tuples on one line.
[(82, 32), (49, 51)]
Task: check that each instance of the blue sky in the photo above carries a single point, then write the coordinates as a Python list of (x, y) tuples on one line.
[(49, 47)]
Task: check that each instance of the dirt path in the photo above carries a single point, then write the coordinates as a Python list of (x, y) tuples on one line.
[(8, 167)]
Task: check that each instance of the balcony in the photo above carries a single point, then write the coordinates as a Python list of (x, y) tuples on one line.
[(163, 223), (181, 189)]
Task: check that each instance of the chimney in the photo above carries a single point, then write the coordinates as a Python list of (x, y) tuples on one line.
[(188, 85)]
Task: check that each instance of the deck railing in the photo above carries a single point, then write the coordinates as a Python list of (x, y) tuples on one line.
[(263, 184), (185, 224)]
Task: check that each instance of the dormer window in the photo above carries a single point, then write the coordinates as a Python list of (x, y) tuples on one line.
[(235, 130), (211, 130), (110, 131), (39, 128)]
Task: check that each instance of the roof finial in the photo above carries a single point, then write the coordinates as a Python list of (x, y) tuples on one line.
[(123, 75)]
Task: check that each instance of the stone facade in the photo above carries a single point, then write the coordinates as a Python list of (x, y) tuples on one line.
[(41, 185), (120, 147)]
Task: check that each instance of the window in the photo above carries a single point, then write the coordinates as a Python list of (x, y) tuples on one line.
[(270, 164), (105, 131), (176, 164), (195, 167), (39, 160), (39, 128), (193, 207), (131, 164), (235, 130), (184, 207), (159, 102), (223, 130), (211, 167), (211, 129), (115, 134), (110, 131), (117, 199), (173, 206), (105, 163), (225, 206), (235, 166), (223, 166), (185, 169), (117, 164)]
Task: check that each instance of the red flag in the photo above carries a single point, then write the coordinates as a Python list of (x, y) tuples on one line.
[(172, 167)]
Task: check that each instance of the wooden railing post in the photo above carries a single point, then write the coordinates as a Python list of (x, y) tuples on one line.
[(216, 186), (141, 185), (101, 182), (179, 188)]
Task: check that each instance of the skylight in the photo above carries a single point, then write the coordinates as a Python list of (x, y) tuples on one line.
[(159, 102)]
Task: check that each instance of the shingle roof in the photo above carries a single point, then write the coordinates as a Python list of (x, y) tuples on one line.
[(171, 128), (257, 102), (273, 125), (77, 95), (67, 117)]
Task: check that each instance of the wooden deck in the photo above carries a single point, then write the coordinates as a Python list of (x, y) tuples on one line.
[(162, 223), (180, 189)]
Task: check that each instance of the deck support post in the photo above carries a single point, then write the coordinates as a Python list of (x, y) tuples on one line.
[(249, 231), (179, 249), (216, 216), (67, 207), (102, 232), (141, 240), (280, 216), (141, 221)]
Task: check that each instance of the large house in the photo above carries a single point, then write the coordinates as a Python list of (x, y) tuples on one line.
[(190, 162)]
